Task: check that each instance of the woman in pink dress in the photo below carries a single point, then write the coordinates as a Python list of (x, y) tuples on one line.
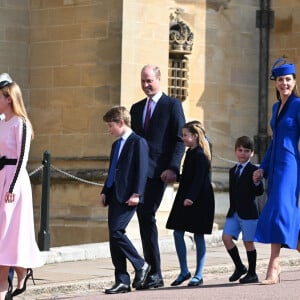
[(18, 247)]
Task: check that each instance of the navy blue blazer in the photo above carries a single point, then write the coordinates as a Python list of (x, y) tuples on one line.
[(132, 170), (164, 135), (243, 193)]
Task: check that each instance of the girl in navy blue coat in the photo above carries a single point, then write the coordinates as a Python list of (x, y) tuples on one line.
[(193, 208)]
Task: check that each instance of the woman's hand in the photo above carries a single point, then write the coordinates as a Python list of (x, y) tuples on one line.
[(258, 175), (9, 197)]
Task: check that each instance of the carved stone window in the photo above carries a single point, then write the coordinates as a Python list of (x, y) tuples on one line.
[(178, 78), (181, 41)]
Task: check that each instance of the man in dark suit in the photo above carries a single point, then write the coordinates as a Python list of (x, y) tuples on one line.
[(123, 192), (243, 213), (159, 119)]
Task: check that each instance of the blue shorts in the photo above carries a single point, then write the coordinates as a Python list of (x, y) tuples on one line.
[(235, 225)]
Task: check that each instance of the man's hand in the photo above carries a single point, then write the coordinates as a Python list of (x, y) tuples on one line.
[(168, 176), (134, 200)]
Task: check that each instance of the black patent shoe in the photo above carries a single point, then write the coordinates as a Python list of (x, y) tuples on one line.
[(195, 281), (118, 288), (249, 278), (23, 289), (8, 296), (237, 274), (141, 275), (152, 282), (181, 278)]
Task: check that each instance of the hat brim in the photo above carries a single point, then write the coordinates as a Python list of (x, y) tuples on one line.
[(4, 83)]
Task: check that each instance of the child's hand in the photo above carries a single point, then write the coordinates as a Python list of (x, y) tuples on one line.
[(103, 200), (188, 202)]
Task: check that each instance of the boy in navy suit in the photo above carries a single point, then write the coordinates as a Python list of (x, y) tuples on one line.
[(243, 212), (123, 192)]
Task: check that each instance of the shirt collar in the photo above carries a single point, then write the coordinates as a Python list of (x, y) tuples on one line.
[(126, 134), (244, 164), (156, 97)]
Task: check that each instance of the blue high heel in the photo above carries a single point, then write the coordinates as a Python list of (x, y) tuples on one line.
[(23, 289)]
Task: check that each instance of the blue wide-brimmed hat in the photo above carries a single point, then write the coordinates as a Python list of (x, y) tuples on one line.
[(283, 69)]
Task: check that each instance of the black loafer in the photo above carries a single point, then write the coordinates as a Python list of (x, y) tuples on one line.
[(237, 274), (118, 288), (180, 279), (140, 276), (249, 278), (152, 282)]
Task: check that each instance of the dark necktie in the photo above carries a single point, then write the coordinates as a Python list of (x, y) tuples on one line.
[(112, 169), (148, 115), (237, 171)]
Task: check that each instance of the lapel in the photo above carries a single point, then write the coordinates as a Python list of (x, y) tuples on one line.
[(245, 170), (283, 111)]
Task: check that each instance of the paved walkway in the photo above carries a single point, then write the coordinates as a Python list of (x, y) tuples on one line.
[(88, 267)]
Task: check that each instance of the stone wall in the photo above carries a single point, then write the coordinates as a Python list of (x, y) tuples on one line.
[(14, 41), (75, 67), (285, 38)]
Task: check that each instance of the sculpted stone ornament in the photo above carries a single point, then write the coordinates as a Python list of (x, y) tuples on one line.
[(181, 39)]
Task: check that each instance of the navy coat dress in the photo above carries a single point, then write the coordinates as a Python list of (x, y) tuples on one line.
[(195, 184), (279, 221)]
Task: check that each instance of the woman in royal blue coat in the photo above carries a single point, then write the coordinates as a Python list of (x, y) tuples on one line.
[(279, 222)]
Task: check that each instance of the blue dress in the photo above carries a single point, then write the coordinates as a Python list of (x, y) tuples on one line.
[(279, 222)]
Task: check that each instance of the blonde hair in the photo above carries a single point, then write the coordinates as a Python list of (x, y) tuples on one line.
[(196, 127), (13, 91)]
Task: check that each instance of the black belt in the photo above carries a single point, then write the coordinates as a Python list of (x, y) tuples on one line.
[(7, 161)]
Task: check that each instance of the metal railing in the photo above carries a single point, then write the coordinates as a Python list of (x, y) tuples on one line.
[(44, 233)]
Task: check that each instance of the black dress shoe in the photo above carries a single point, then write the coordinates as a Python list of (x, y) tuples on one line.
[(152, 281), (140, 276), (180, 279), (249, 278), (118, 288), (237, 274)]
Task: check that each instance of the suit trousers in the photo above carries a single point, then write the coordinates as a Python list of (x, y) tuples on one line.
[(121, 248), (153, 194)]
